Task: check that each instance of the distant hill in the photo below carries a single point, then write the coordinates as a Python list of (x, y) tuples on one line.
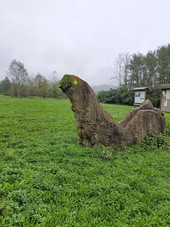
[(104, 87)]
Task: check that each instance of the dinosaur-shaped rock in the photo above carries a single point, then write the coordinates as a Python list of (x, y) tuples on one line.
[(96, 126)]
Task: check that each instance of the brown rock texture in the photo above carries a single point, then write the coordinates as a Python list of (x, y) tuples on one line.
[(96, 126)]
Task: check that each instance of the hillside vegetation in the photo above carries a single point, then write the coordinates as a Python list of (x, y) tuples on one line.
[(47, 178)]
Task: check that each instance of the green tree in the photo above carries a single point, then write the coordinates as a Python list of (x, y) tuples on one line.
[(5, 85), (137, 70), (154, 94), (151, 73), (163, 56)]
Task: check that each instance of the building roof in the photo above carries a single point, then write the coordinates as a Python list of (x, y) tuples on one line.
[(164, 86), (140, 88)]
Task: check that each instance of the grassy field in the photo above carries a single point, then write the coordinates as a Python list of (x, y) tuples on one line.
[(47, 178)]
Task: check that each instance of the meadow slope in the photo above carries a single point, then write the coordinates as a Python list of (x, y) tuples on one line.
[(47, 178)]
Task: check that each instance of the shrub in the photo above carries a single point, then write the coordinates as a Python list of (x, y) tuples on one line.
[(117, 96), (154, 141)]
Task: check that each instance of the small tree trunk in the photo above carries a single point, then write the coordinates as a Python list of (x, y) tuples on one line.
[(18, 91)]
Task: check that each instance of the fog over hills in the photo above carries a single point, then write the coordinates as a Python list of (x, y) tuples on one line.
[(103, 87)]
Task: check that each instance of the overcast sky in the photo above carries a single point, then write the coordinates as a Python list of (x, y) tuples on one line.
[(81, 37)]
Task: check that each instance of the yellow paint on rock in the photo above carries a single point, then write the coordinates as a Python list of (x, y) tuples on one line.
[(75, 82)]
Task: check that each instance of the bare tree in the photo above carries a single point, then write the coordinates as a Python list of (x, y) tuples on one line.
[(54, 77), (18, 75), (40, 85), (121, 69)]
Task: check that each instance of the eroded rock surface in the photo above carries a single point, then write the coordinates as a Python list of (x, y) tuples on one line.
[(96, 126)]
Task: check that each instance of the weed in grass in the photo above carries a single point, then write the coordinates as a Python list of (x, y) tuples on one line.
[(168, 129), (154, 141)]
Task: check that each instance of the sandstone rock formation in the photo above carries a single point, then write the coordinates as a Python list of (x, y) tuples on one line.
[(96, 126)]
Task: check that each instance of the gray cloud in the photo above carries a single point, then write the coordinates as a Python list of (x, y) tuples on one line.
[(79, 37)]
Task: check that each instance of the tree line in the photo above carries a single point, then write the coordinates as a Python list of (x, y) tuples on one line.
[(18, 83), (138, 70)]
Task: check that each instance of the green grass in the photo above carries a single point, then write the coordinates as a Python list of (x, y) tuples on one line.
[(47, 178)]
